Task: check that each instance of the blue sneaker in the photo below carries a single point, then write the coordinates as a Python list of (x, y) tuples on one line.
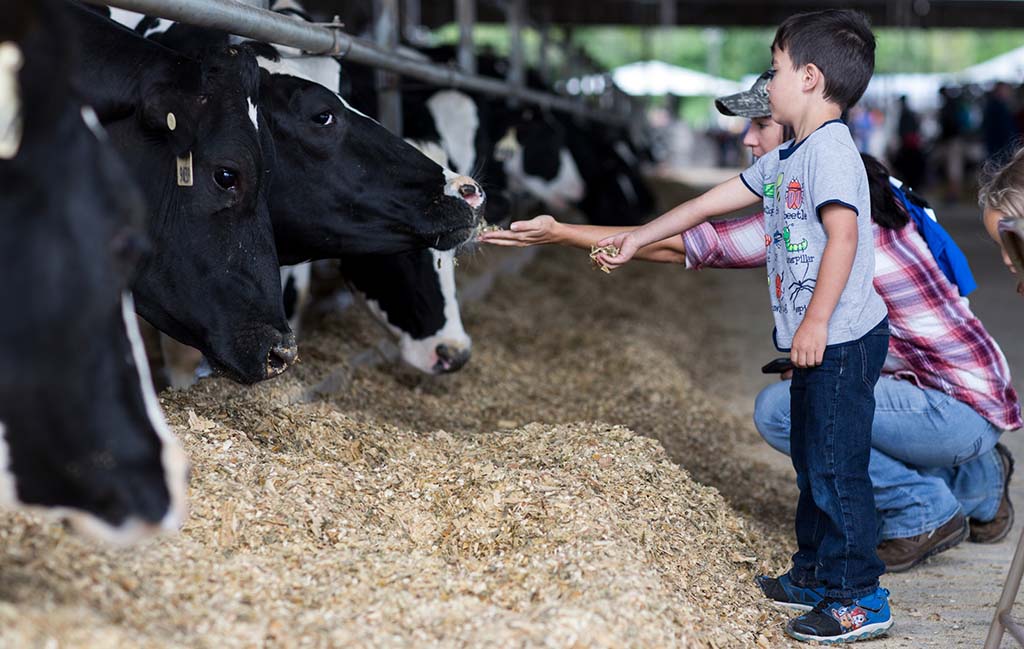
[(835, 621), (783, 592)]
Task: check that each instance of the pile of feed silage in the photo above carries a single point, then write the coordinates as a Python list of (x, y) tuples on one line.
[(552, 493)]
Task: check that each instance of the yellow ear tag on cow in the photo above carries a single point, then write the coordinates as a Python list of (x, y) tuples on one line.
[(507, 146), (10, 100), (185, 171), (172, 121)]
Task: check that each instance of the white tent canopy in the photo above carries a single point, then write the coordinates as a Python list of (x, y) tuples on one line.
[(1005, 67), (660, 78)]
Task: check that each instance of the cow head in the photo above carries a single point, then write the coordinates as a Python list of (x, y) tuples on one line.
[(202, 153), (345, 185), (81, 432), (413, 295)]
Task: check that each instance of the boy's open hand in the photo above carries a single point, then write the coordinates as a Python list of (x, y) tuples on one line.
[(809, 342), (625, 243), (521, 234)]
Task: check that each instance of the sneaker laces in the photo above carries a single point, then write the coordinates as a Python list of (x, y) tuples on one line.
[(829, 601)]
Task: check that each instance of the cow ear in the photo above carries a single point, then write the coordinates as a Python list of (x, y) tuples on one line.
[(173, 112)]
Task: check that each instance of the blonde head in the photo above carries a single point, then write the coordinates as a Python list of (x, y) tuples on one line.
[(1002, 189)]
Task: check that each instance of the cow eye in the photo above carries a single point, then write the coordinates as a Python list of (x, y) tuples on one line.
[(325, 118), (226, 178)]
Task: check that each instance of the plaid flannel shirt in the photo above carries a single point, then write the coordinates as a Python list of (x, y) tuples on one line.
[(936, 341)]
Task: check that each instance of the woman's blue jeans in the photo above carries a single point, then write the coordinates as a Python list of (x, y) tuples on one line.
[(830, 441), (931, 455)]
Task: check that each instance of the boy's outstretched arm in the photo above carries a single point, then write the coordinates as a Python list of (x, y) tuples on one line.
[(811, 336), (731, 195), (546, 229)]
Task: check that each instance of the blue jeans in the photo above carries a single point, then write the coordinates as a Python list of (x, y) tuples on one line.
[(931, 455), (830, 440)]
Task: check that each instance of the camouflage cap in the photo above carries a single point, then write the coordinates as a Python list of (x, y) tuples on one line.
[(749, 103)]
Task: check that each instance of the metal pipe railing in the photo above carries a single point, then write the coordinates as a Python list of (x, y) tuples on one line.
[(258, 24)]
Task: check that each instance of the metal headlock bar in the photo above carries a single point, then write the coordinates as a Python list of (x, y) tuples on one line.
[(263, 25)]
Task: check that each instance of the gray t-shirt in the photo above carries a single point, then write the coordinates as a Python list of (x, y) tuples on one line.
[(795, 182)]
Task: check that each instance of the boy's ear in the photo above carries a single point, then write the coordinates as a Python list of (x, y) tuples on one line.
[(811, 77)]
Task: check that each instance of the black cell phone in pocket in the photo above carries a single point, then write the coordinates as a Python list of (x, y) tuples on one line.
[(777, 366)]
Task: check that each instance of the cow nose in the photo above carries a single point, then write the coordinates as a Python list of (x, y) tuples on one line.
[(467, 188), (450, 359), (282, 355)]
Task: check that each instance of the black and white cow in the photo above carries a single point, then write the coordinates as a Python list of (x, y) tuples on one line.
[(81, 432), (191, 135), (413, 291), (345, 186)]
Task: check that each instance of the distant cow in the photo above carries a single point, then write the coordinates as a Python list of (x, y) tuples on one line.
[(81, 432), (558, 159), (193, 139)]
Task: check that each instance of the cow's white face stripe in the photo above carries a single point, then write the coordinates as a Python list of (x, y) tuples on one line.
[(354, 109), (93, 122), (422, 353), (323, 70), (172, 456), (253, 116), (8, 493), (11, 61), (457, 121)]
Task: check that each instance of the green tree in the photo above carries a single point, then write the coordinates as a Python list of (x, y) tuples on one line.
[(744, 51)]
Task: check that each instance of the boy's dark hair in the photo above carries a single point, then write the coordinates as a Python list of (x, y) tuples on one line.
[(839, 42)]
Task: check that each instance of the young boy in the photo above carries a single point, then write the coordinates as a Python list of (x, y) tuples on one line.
[(827, 316)]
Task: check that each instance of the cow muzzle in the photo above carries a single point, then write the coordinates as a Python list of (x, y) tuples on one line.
[(450, 358), (282, 355)]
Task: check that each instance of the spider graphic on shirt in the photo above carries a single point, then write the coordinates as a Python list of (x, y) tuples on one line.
[(796, 288), (799, 286)]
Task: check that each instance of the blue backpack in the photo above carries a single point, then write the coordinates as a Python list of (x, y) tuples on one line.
[(951, 260)]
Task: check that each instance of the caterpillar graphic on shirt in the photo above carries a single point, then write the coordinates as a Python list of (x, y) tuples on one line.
[(793, 247)]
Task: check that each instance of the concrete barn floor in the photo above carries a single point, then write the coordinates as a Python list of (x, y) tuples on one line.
[(950, 600)]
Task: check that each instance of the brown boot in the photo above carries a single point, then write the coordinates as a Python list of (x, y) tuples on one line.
[(996, 529), (903, 554)]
